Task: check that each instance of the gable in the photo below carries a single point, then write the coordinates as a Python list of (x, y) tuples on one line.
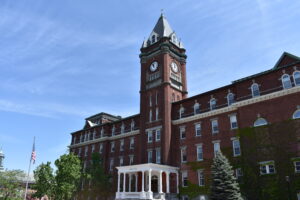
[(286, 59)]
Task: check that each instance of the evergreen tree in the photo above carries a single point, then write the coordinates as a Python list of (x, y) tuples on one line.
[(224, 185)]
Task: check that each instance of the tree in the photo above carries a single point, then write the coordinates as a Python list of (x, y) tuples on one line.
[(67, 176), (10, 184), (44, 180), (224, 185), (95, 174)]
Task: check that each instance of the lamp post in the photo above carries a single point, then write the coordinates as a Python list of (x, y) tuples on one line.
[(287, 178)]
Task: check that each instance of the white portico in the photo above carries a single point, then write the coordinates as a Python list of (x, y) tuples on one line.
[(147, 181)]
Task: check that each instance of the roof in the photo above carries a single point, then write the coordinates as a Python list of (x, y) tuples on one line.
[(103, 114), (162, 29)]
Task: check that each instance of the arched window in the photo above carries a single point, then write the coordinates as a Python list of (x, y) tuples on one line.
[(260, 122), (230, 98), (196, 108), (296, 114), (153, 39), (286, 81), (213, 103), (296, 77), (255, 90)]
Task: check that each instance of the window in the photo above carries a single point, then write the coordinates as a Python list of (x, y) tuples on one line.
[(196, 108), (81, 138), (214, 126), (260, 122), (74, 140), (121, 161), (86, 151), (94, 134), (101, 148), (183, 155), (216, 147), (267, 167), (199, 152), (158, 157), (156, 98), (286, 81), (198, 129), (230, 99), (182, 132), (79, 151), (181, 112), (113, 130), (153, 39), (296, 114), (112, 147), (233, 122), (296, 77), (255, 90), (102, 132), (297, 166), (150, 100), (93, 148), (132, 125), (121, 145), (150, 156), (111, 164), (201, 181), (132, 143), (150, 137), (150, 115), (156, 113), (173, 97), (213, 104), (122, 128), (236, 147), (238, 172), (157, 135), (131, 159), (184, 179)]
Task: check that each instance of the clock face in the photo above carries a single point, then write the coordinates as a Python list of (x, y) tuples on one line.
[(174, 67), (153, 66)]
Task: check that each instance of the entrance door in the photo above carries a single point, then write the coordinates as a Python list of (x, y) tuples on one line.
[(154, 184)]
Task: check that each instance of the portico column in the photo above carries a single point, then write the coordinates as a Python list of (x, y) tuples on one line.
[(177, 182), (136, 181), (149, 180), (130, 182), (168, 181), (124, 182), (160, 182), (119, 174), (143, 182)]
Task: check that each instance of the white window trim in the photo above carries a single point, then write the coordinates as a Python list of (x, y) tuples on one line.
[(294, 114), (150, 136), (267, 164), (122, 145), (184, 174), (199, 125), (197, 146), (261, 124), (233, 147), (158, 161), (290, 82), (212, 127), (156, 138), (182, 129), (200, 171), (236, 121), (294, 78), (252, 91), (181, 154), (211, 105), (228, 103), (150, 151)]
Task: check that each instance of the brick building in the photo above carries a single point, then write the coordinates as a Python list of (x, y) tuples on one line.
[(150, 153)]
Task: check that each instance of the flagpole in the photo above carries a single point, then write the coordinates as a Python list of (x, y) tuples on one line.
[(27, 180)]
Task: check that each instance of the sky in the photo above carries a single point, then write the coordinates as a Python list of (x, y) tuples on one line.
[(62, 61)]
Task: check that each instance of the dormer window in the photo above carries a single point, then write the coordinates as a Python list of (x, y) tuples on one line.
[(255, 90), (196, 108), (230, 99), (296, 77), (213, 104), (286, 81), (153, 39), (260, 122)]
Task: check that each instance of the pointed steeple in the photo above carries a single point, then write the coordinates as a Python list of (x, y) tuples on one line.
[(162, 29)]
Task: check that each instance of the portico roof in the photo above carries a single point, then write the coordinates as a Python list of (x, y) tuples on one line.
[(146, 167)]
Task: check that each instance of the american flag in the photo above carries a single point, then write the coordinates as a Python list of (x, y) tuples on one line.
[(33, 153)]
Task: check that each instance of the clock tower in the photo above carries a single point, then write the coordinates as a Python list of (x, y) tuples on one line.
[(163, 81)]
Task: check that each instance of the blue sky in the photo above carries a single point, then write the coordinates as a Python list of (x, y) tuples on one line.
[(62, 61)]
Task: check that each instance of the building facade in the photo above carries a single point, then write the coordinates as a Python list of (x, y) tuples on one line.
[(169, 145)]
